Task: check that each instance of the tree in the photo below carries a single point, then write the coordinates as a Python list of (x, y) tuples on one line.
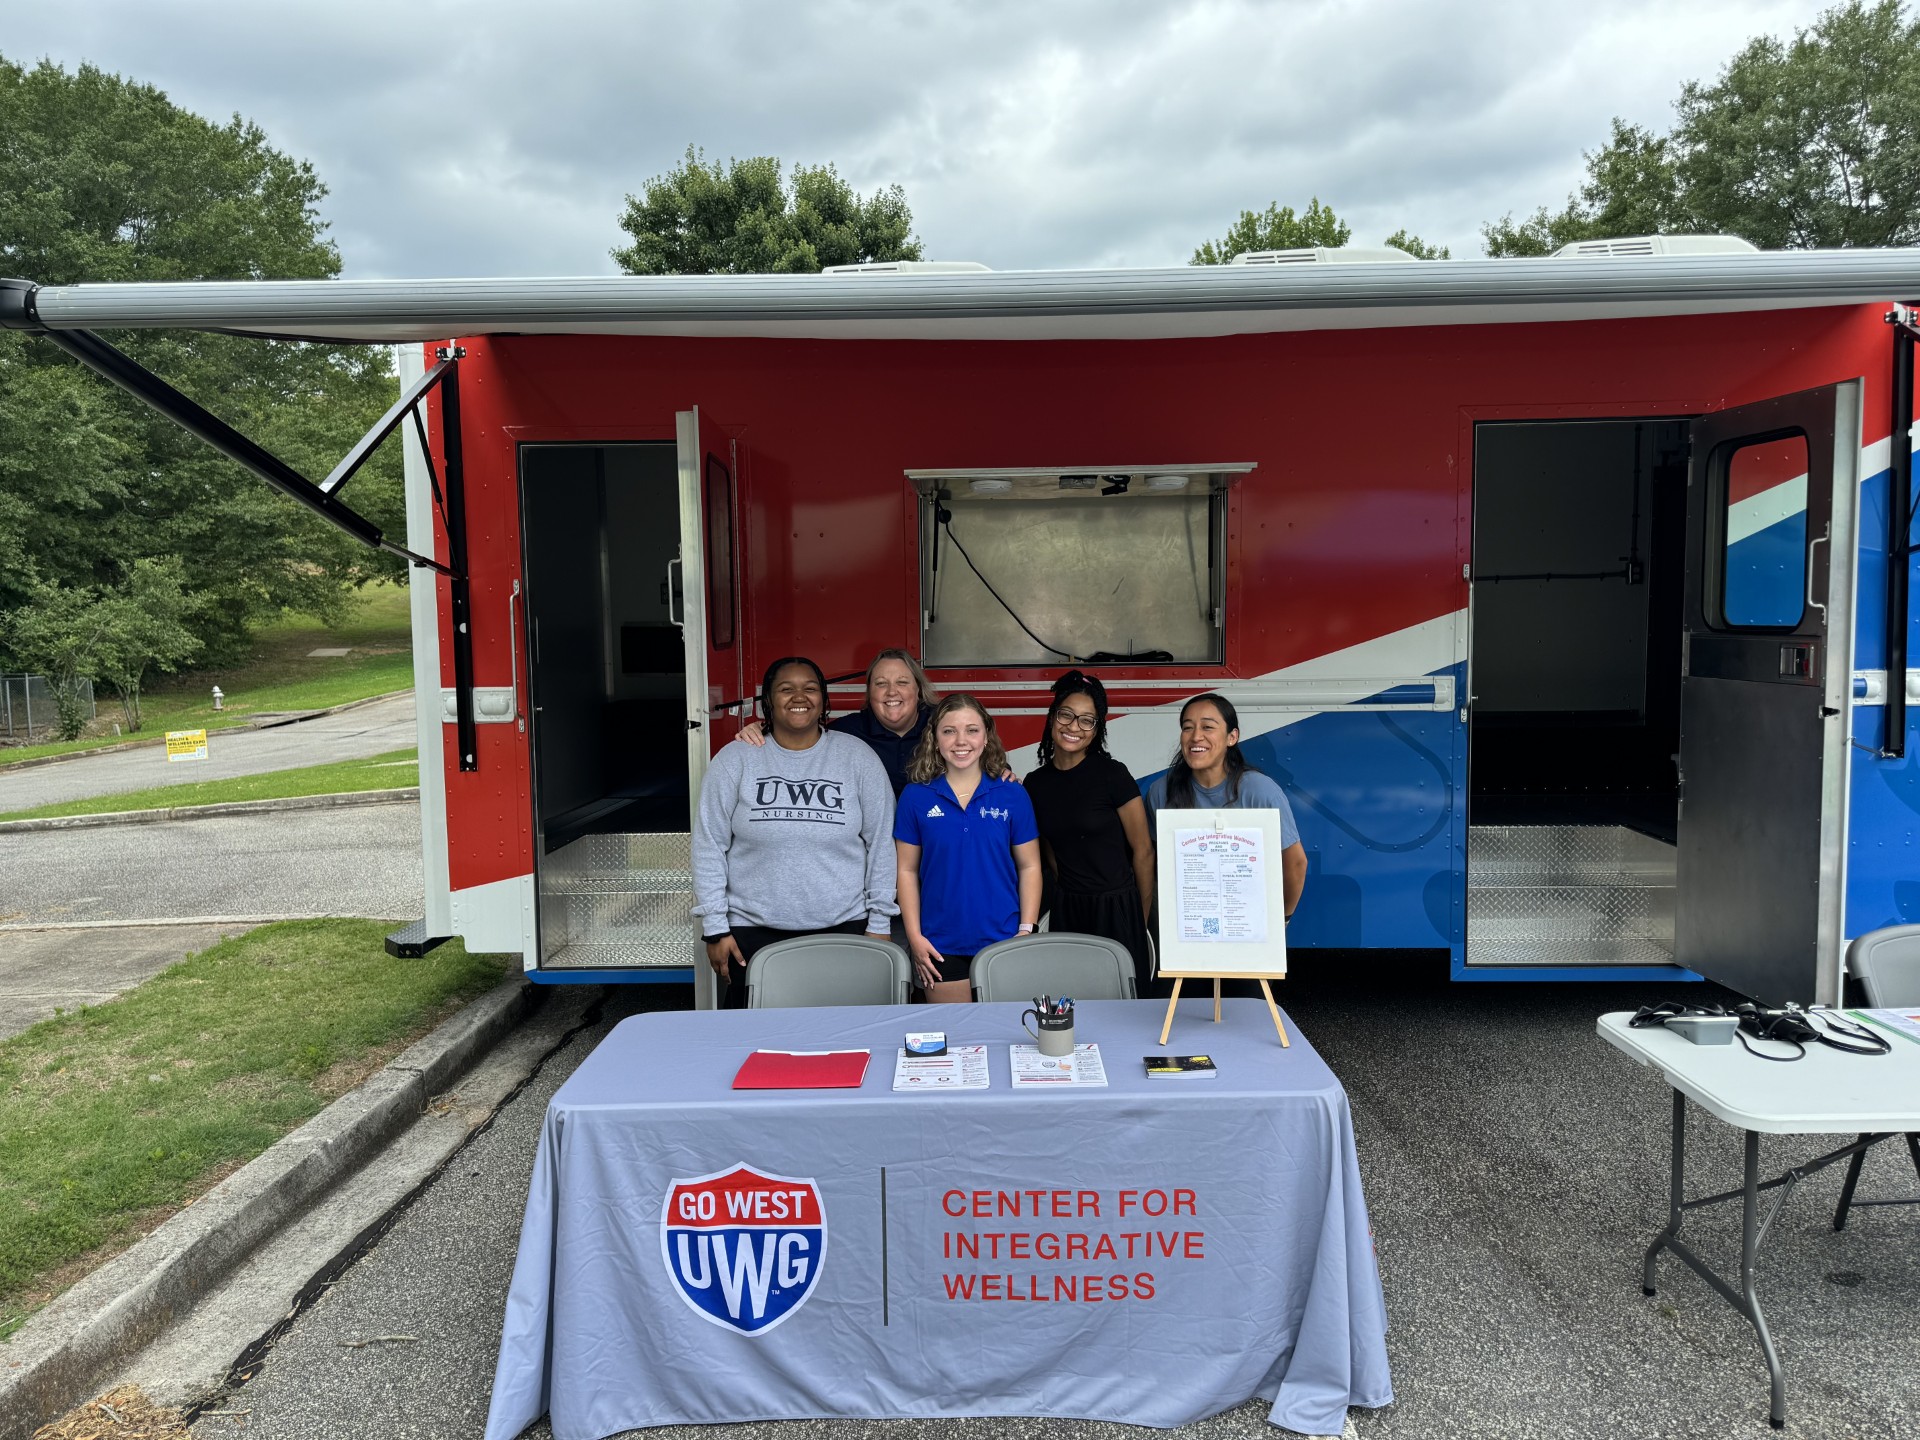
[(102, 178), (1411, 243), (55, 636), (140, 628), (1277, 228), (741, 219), (1810, 144)]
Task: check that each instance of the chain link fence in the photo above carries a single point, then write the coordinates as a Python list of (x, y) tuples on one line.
[(28, 707)]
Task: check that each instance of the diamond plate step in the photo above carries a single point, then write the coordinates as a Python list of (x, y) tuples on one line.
[(617, 901), (1551, 895)]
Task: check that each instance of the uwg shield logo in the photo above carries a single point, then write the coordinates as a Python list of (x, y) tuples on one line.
[(744, 1248)]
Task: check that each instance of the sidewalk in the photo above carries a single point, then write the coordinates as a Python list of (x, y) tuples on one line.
[(348, 734), (46, 970)]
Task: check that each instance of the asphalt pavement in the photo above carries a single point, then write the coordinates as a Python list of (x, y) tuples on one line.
[(1515, 1169), (374, 729), (364, 861)]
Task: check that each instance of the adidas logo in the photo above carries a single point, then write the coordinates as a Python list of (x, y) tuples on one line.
[(936, 813)]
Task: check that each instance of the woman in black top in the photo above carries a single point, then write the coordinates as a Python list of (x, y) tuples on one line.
[(1093, 825)]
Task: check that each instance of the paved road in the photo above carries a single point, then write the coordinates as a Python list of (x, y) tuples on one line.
[(1515, 1169), (362, 860), (351, 735)]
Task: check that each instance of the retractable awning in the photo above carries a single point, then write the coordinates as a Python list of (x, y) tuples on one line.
[(1174, 301)]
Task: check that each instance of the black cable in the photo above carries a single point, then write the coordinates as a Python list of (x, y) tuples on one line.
[(1799, 1050), (1828, 1021), (947, 525)]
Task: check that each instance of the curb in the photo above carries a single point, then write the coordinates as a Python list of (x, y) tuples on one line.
[(343, 800), (58, 1357), (39, 760)]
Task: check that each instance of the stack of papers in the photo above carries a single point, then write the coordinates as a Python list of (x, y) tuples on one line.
[(963, 1067), (1903, 1021), (1083, 1067)]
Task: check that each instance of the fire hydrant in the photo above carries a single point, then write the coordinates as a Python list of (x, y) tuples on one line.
[(217, 697)]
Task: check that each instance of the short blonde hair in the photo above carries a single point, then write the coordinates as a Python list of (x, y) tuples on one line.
[(927, 696), (926, 762)]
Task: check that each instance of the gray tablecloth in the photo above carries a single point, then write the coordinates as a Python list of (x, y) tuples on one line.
[(1152, 1253)]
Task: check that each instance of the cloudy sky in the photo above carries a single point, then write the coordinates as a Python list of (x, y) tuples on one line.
[(480, 137)]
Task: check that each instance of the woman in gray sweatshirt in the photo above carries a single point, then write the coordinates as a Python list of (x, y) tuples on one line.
[(791, 838)]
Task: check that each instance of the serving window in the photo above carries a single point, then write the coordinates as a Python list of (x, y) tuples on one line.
[(1102, 565)]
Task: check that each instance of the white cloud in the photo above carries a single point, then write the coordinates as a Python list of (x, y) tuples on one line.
[(493, 138)]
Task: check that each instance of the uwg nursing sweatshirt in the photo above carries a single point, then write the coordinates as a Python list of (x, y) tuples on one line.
[(794, 839)]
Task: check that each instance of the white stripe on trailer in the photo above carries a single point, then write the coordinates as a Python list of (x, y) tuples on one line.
[(1748, 517), (1143, 740)]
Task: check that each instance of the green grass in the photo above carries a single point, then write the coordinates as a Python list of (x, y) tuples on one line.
[(280, 676), (115, 1115), (391, 771)]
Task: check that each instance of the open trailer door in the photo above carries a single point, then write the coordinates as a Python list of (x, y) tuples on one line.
[(706, 605), (629, 591), (1766, 671)]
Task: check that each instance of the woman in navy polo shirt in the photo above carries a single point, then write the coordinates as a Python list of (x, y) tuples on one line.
[(969, 852)]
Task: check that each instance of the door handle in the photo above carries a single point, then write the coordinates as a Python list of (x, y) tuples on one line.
[(1813, 604), (675, 573), (513, 649)]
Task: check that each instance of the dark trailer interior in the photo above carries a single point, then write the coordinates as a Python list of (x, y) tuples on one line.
[(1578, 580), (600, 525)]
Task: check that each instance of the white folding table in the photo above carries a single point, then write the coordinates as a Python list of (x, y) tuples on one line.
[(1827, 1092)]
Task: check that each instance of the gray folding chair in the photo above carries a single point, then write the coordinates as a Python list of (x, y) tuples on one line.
[(1887, 964), (1084, 967), (828, 970)]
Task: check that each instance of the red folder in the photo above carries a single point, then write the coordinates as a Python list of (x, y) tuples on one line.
[(803, 1070)]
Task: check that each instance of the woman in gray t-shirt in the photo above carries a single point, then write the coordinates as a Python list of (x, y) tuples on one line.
[(794, 837), (1209, 773)]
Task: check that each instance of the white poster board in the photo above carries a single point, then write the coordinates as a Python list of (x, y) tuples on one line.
[(1222, 894)]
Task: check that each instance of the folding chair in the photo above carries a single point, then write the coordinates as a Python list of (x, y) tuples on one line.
[(1887, 963), (1085, 967), (828, 970)]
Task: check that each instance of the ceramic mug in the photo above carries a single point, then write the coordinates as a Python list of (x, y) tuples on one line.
[(1055, 1035)]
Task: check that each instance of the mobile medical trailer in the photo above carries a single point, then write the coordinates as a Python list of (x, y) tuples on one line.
[(1557, 592)]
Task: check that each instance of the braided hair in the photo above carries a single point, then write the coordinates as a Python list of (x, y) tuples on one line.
[(1076, 682)]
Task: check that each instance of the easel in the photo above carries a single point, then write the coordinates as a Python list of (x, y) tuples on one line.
[(1264, 961), (1273, 1007)]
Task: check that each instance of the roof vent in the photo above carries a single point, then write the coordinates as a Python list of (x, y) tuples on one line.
[(1658, 245), (1325, 255), (911, 267)]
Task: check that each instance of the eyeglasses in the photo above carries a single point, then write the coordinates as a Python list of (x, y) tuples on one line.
[(1067, 720)]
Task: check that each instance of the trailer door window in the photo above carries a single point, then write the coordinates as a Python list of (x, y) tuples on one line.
[(1763, 533)]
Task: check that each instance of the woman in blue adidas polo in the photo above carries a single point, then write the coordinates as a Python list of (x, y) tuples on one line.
[(969, 852)]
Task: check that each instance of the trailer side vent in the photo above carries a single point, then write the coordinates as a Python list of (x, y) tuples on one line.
[(1657, 245), (1325, 255), (911, 267)]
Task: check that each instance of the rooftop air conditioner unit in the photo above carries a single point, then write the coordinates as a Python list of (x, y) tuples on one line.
[(1658, 245), (911, 267), (1325, 255)]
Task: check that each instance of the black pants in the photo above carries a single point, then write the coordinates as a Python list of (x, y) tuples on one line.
[(752, 939)]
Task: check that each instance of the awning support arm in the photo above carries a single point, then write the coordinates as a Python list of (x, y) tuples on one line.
[(1906, 328), (385, 426), (126, 373)]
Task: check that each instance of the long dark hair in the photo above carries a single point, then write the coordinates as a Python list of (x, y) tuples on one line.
[(766, 686), (1075, 682), (1180, 774), (928, 763)]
